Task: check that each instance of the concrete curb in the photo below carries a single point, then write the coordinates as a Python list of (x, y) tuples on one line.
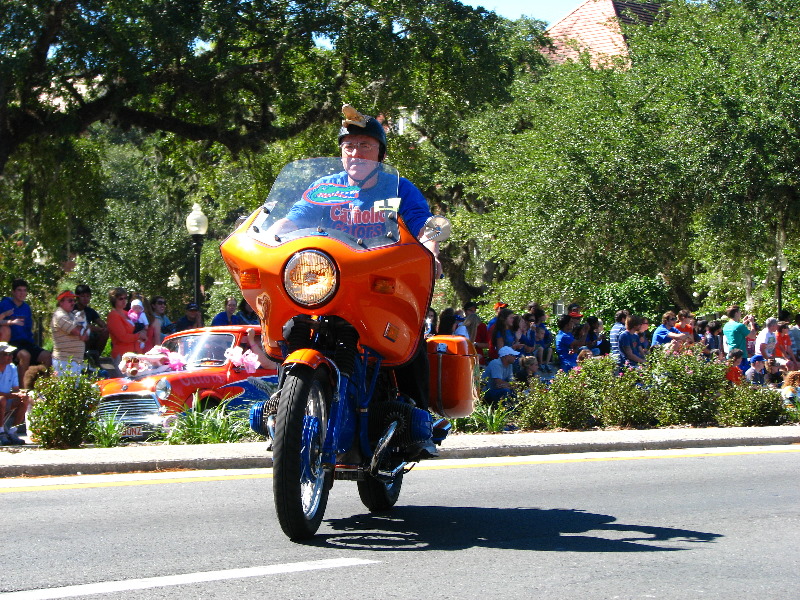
[(17, 462)]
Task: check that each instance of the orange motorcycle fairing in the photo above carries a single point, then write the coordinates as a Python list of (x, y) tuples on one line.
[(382, 292)]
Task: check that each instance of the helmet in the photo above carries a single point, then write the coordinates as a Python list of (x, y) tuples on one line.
[(355, 123)]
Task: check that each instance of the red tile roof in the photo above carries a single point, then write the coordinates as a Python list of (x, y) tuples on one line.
[(594, 27)]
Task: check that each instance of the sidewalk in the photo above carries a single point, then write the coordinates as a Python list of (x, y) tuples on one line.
[(19, 461)]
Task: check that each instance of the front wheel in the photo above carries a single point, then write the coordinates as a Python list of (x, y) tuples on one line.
[(299, 486), (378, 496)]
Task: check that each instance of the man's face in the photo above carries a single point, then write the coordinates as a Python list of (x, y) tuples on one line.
[(758, 365), (19, 294), (191, 314), (509, 359), (773, 328), (231, 305), (359, 155), (5, 358), (68, 304)]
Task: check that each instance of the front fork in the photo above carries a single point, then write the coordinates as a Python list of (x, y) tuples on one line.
[(349, 411)]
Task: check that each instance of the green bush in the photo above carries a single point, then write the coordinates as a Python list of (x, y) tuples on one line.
[(61, 417), (107, 432), (571, 400), (684, 387), (627, 403), (749, 405), (215, 425), (532, 407)]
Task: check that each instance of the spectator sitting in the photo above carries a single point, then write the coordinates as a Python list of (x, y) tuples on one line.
[(478, 332), (545, 341), (734, 372), (783, 347), (503, 333), (247, 314), (685, 324), (21, 334), (460, 328), (766, 341), (431, 322), (70, 334), (499, 374), (191, 320), (774, 376), (755, 374), (712, 338), (644, 341), (6, 321), (566, 345), (98, 330), (10, 398), (227, 316), (447, 322), (791, 389), (630, 353), (594, 334), (667, 332), (616, 329), (525, 340), (137, 316), (498, 306), (584, 354), (528, 370)]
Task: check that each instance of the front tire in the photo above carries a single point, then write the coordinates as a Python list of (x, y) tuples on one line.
[(378, 496), (299, 486)]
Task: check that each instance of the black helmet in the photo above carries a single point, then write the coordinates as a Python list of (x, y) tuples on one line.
[(355, 123)]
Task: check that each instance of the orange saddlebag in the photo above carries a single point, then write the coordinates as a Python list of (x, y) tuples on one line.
[(452, 360)]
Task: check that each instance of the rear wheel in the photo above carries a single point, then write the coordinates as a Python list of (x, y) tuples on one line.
[(299, 486), (378, 496)]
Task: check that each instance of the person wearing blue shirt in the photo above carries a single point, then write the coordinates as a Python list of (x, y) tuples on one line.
[(15, 308), (228, 316), (565, 344), (630, 352), (499, 374), (667, 332)]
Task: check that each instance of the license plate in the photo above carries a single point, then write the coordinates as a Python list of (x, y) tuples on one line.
[(132, 432)]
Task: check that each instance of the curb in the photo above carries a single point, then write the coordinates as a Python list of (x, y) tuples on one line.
[(254, 455)]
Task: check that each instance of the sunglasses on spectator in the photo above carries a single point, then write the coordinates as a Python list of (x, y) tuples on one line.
[(160, 302), (122, 297)]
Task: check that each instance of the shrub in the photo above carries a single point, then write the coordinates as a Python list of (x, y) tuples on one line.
[(684, 387), (491, 418), (61, 417), (215, 425), (749, 405), (532, 407), (105, 432), (570, 398), (627, 402)]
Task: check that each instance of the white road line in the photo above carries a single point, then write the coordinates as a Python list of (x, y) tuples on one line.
[(109, 587)]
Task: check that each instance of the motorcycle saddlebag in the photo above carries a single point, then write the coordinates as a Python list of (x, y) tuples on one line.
[(452, 360)]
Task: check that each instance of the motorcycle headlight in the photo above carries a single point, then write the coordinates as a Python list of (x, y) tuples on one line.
[(310, 278), (163, 389)]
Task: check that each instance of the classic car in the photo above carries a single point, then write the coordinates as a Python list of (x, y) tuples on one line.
[(148, 402)]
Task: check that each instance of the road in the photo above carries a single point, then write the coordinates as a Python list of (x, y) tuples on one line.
[(712, 523)]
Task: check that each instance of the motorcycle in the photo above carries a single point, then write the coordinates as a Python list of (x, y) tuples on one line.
[(342, 288)]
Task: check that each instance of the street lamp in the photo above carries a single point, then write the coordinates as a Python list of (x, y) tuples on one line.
[(197, 225)]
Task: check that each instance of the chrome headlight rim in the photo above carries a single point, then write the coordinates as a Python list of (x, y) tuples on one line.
[(326, 293), (163, 389)]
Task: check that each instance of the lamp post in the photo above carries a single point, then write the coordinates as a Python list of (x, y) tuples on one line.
[(197, 225)]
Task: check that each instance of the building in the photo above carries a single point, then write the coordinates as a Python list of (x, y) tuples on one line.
[(594, 27)]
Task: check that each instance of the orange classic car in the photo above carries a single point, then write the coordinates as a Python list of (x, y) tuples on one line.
[(147, 402)]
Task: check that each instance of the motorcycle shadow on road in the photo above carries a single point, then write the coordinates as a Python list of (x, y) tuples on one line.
[(456, 528)]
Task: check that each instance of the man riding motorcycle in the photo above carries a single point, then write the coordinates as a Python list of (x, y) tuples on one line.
[(362, 158)]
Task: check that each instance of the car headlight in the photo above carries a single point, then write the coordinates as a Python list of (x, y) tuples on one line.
[(163, 389), (310, 278)]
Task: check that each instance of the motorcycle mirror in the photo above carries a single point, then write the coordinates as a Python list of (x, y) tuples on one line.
[(437, 228)]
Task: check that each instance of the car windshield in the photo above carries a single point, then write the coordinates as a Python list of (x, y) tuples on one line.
[(202, 349), (353, 200)]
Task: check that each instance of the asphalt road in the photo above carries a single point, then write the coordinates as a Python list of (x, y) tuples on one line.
[(712, 523)]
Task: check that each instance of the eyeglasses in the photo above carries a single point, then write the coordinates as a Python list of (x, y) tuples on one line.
[(160, 302), (122, 297), (351, 147)]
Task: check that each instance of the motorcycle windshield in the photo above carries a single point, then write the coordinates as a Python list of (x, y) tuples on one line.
[(353, 200)]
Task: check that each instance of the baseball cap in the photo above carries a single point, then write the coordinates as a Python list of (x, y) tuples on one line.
[(65, 295), (469, 305), (500, 305), (192, 306), (756, 357), (575, 314), (5, 347), (506, 351)]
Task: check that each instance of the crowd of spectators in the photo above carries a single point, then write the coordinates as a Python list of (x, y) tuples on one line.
[(520, 345)]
